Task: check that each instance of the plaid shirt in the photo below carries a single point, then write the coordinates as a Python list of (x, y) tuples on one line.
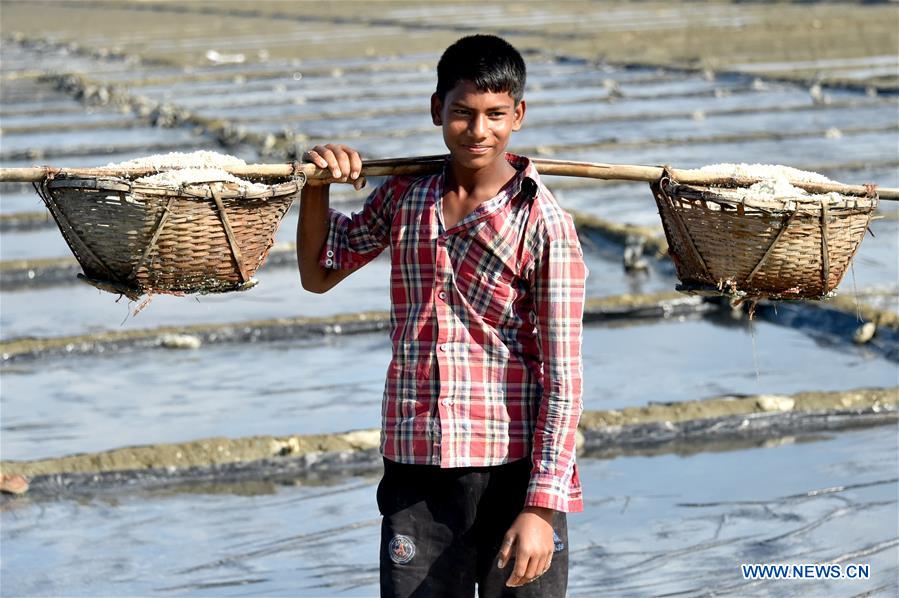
[(486, 327)]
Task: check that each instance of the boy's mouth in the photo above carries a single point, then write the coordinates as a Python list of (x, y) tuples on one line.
[(477, 149)]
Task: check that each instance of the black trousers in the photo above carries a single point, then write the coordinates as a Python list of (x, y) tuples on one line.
[(443, 528)]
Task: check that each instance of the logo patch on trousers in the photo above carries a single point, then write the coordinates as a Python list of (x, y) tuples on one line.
[(401, 549), (558, 544)]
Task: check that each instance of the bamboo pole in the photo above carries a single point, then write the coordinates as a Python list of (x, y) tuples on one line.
[(432, 164)]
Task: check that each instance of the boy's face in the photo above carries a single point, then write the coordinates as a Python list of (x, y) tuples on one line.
[(476, 124)]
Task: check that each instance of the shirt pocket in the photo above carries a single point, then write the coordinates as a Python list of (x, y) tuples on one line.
[(489, 295)]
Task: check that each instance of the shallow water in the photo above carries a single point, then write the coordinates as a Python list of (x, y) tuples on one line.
[(876, 265), (20, 201), (278, 294), (54, 406), (862, 147), (669, 524), (64, 119), (883, 60), (72, 141), (652, 525), (37, 312), (721, 354), (560, 124), (34, 244), (50, 103)]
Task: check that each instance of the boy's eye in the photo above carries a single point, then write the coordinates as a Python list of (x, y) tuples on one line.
[(460, 111)]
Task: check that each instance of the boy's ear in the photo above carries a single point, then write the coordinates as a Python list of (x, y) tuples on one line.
[(436, 109), (518, 115)]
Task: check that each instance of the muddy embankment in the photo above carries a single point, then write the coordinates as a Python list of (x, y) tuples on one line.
[(720, 423)]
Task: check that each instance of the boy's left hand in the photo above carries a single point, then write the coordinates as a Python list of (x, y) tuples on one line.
[(530, 539)]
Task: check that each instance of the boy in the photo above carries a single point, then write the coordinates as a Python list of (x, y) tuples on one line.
[(483, 393)]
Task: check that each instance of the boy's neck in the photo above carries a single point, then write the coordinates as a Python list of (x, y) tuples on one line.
[(481, 183)]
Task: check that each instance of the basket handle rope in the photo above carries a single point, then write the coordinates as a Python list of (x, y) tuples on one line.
[(232, 240)]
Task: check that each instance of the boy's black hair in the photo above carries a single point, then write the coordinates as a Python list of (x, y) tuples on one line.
[(490, 62)]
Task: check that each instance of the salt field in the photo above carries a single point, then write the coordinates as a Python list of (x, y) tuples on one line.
[(653, 525), (662, 520), (304, 387)]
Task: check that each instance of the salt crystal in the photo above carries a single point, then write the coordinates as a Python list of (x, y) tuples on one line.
[(775, 403), (217, 57), (864, 333), (181, 341)]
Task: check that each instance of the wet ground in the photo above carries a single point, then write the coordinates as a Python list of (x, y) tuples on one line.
[(662, 525), (656, 525), (304, 387)]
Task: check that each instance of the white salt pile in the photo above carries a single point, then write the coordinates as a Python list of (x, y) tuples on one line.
[(188, 176), (765, 171), (198, 159), (179, 168), (775, 179)]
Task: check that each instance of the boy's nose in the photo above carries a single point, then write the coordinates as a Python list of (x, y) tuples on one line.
[(478, 127)]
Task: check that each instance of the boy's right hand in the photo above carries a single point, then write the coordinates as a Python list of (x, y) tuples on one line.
[(343, 161)]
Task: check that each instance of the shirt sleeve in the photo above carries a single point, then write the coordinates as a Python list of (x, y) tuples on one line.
[(357, 239), (560, 275)]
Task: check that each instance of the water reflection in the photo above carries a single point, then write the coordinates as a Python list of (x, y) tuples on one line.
[(63, 406), (662, 524)]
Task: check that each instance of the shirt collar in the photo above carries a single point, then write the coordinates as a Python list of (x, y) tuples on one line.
[(525, 183), (527, 179)]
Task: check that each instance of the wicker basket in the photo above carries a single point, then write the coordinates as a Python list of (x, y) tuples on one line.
[(137, 239), (778, 248)]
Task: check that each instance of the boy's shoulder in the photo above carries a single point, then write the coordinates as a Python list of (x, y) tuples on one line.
[(550, 220), (399, 185)]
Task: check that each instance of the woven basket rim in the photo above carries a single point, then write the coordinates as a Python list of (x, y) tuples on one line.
[(774, 203), (198, 190)]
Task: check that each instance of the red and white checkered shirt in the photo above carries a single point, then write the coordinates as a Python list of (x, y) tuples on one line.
[(486, 327)]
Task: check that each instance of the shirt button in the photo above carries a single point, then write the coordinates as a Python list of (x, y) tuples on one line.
[(444, 347), (442, 295), (447, 401), (329, 262), (330, 254)]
